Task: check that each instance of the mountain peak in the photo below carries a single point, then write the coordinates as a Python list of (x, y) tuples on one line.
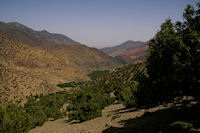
[(16, 25), (133, 42), (129, 41), (29, 36), (44, 31)]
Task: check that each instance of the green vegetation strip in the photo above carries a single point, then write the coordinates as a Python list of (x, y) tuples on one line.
[(36, 111), (97, 74), (70, 84)]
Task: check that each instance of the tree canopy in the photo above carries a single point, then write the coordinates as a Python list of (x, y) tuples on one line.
[(173, 64)]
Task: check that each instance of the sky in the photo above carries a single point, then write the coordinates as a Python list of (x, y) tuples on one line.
[(96, 23)]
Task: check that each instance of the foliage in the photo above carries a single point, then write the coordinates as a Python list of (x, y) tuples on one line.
[(87, 104), (107, 125), (172, 69), (34, 113), (47, 106), (127, 95), (70, 84), (14, 119), (173, 63), (96, 74), (93, 96), (180, 126)]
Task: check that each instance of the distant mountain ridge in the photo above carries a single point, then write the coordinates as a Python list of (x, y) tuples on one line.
[(128, 51), (126, 45), (27, 35)]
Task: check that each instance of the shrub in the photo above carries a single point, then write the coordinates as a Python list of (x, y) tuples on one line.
[(96, 74), (179, 126), (36, 111), (15, 119), (87, 104), (70, 84), (127, 95)]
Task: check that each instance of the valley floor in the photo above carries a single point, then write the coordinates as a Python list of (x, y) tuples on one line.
[(114, 118)]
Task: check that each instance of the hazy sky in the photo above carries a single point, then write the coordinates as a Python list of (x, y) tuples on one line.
[(96, 23)]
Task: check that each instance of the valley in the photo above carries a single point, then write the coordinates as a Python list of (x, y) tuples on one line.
[(30, 68), (51, 83)]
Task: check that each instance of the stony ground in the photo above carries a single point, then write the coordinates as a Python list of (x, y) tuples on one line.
[(112, 116)]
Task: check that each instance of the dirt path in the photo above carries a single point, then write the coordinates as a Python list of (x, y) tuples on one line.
[(112, 115)]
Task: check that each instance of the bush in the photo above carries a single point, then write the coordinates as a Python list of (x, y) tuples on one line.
[(70, 84), (36, 111), (93, 96), (127, 95), (179, 126), (47, 106), (14, 119), (87, 104), (96, 74)]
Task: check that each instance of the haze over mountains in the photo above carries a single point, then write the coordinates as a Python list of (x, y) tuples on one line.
[(33, 62), (128, 51)]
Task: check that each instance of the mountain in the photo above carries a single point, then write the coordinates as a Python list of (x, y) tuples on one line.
[(34, 62), (128, 51), (29, 36)]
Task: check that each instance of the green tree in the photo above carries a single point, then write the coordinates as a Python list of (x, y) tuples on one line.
[(173, 64), (190, 32), (163, 62)]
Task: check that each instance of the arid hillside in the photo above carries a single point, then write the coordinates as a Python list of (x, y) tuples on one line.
[(28, 67), (29, 70), (68, 51), (29, 36)]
